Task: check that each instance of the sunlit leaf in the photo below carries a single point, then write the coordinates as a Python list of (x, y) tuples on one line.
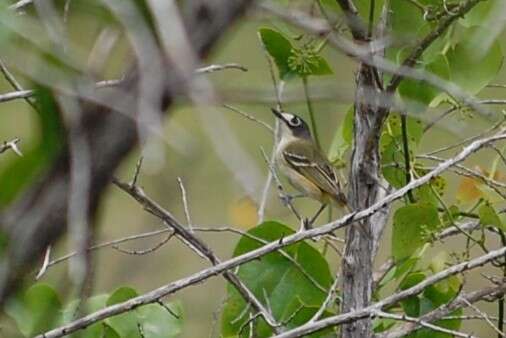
[(279, 47)]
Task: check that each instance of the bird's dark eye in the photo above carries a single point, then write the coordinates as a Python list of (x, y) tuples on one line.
[(295, 121)]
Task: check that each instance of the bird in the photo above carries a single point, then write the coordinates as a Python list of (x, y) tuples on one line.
[(307, 169)]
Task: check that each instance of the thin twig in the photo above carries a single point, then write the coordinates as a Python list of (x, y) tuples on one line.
[(330, 297), (234, 262), (281, 191), (250, 117), (45, 263), (215, 68), (145, 251), (484, 316), (446, 309), (14, 83), (189, 222), (278, 89), (405, 149), (197, 245), (422, 323), (468, 139)]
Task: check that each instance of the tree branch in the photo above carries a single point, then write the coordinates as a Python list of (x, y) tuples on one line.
[(197, 245), (200, 276), (38, 218), (460, 302), (370, 311)]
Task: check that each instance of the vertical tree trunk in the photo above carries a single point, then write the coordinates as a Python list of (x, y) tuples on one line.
[(357, 266)]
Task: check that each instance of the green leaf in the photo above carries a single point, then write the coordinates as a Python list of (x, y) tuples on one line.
[(417, 95), (279, 47), (383, 324), (92, 304), (410, 227), (392, 152), (280, 280), (489, 217), (23, 170), (107, 332), (125, 324), (342, 140), (157, 322), (472, 67), (480, 14), (406, 19), (36, 311)]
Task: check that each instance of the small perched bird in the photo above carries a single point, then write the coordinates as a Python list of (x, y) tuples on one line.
[(306, 168)]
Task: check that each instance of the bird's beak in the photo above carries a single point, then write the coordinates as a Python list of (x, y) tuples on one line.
[(278, 114)]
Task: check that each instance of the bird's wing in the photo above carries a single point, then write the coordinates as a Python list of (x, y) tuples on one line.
[(312, 165)]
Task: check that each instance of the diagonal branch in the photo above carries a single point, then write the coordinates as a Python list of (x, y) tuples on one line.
[(202, 275), (197, 245), (461, 301), (371, 310)]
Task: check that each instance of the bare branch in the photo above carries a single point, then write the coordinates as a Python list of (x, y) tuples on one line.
[(200, 276), (185, 204), (250, 117), (14, 83), (369, 312), (422, 323), (484, 316), (199, 246), (215, 68), (446, 309), (45, 263), (145, 251)]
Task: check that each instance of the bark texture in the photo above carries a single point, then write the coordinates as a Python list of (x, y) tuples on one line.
[(365, 190)]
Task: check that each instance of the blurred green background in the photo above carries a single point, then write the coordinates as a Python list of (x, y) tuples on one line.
[(215, 196)]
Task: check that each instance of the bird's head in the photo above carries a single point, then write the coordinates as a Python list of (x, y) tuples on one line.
[(292, 125)]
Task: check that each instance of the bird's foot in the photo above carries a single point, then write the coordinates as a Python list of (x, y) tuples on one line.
[(286, 200), (305, 224)]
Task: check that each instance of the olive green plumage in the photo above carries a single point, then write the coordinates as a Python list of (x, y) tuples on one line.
[(306, 168)]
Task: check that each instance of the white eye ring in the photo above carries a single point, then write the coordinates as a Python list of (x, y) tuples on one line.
[(295, 121)]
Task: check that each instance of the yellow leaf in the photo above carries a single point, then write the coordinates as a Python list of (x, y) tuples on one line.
[(243, 213), (469, 190)]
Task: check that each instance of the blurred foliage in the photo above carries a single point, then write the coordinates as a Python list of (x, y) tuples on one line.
[(39, 309), (464, 55), (22, 171)]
